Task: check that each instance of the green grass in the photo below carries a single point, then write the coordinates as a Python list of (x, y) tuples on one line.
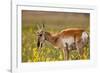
[(54, 23)]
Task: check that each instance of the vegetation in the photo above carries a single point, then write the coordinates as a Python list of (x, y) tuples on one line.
[(54, 22)]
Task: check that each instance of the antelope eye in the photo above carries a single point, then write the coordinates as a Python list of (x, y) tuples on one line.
[(40, 34)]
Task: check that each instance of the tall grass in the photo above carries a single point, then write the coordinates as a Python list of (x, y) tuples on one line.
[(54, 23)]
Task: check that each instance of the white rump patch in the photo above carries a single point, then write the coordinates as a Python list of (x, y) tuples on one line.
[(68, 40), (84, 36)]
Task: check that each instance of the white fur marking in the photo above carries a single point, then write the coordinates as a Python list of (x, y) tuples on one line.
[(84, 36), (68, 40)]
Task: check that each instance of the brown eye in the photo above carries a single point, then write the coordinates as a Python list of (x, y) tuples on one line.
[(40, 34)]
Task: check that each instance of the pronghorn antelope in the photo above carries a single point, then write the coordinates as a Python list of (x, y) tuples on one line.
[(66, 40)]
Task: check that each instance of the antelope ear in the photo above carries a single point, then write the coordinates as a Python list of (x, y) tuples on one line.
[(37, 33), (38, 27), (43, 27)]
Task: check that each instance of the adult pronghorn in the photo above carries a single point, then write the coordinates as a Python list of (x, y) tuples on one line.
[(66, 40)]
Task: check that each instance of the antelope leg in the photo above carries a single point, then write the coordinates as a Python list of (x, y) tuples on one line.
[(66, 52)]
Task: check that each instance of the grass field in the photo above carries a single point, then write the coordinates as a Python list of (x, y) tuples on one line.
[(54, 23)]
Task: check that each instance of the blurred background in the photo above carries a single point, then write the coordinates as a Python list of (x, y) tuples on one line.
[(54, 22)]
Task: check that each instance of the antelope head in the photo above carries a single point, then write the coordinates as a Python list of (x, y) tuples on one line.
[(40, 37)]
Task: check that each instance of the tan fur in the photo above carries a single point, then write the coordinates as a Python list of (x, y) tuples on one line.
[(65, 38)]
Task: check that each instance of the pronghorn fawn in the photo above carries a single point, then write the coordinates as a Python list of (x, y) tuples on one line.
[(66, 40)]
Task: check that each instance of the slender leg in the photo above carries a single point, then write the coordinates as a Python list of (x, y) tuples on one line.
[(80, 47), (39, 51), (66, 52)]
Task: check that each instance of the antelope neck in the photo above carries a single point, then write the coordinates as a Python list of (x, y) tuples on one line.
[(50, 38)]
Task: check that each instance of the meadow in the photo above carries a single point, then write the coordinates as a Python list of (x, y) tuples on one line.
[(54, 23)]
